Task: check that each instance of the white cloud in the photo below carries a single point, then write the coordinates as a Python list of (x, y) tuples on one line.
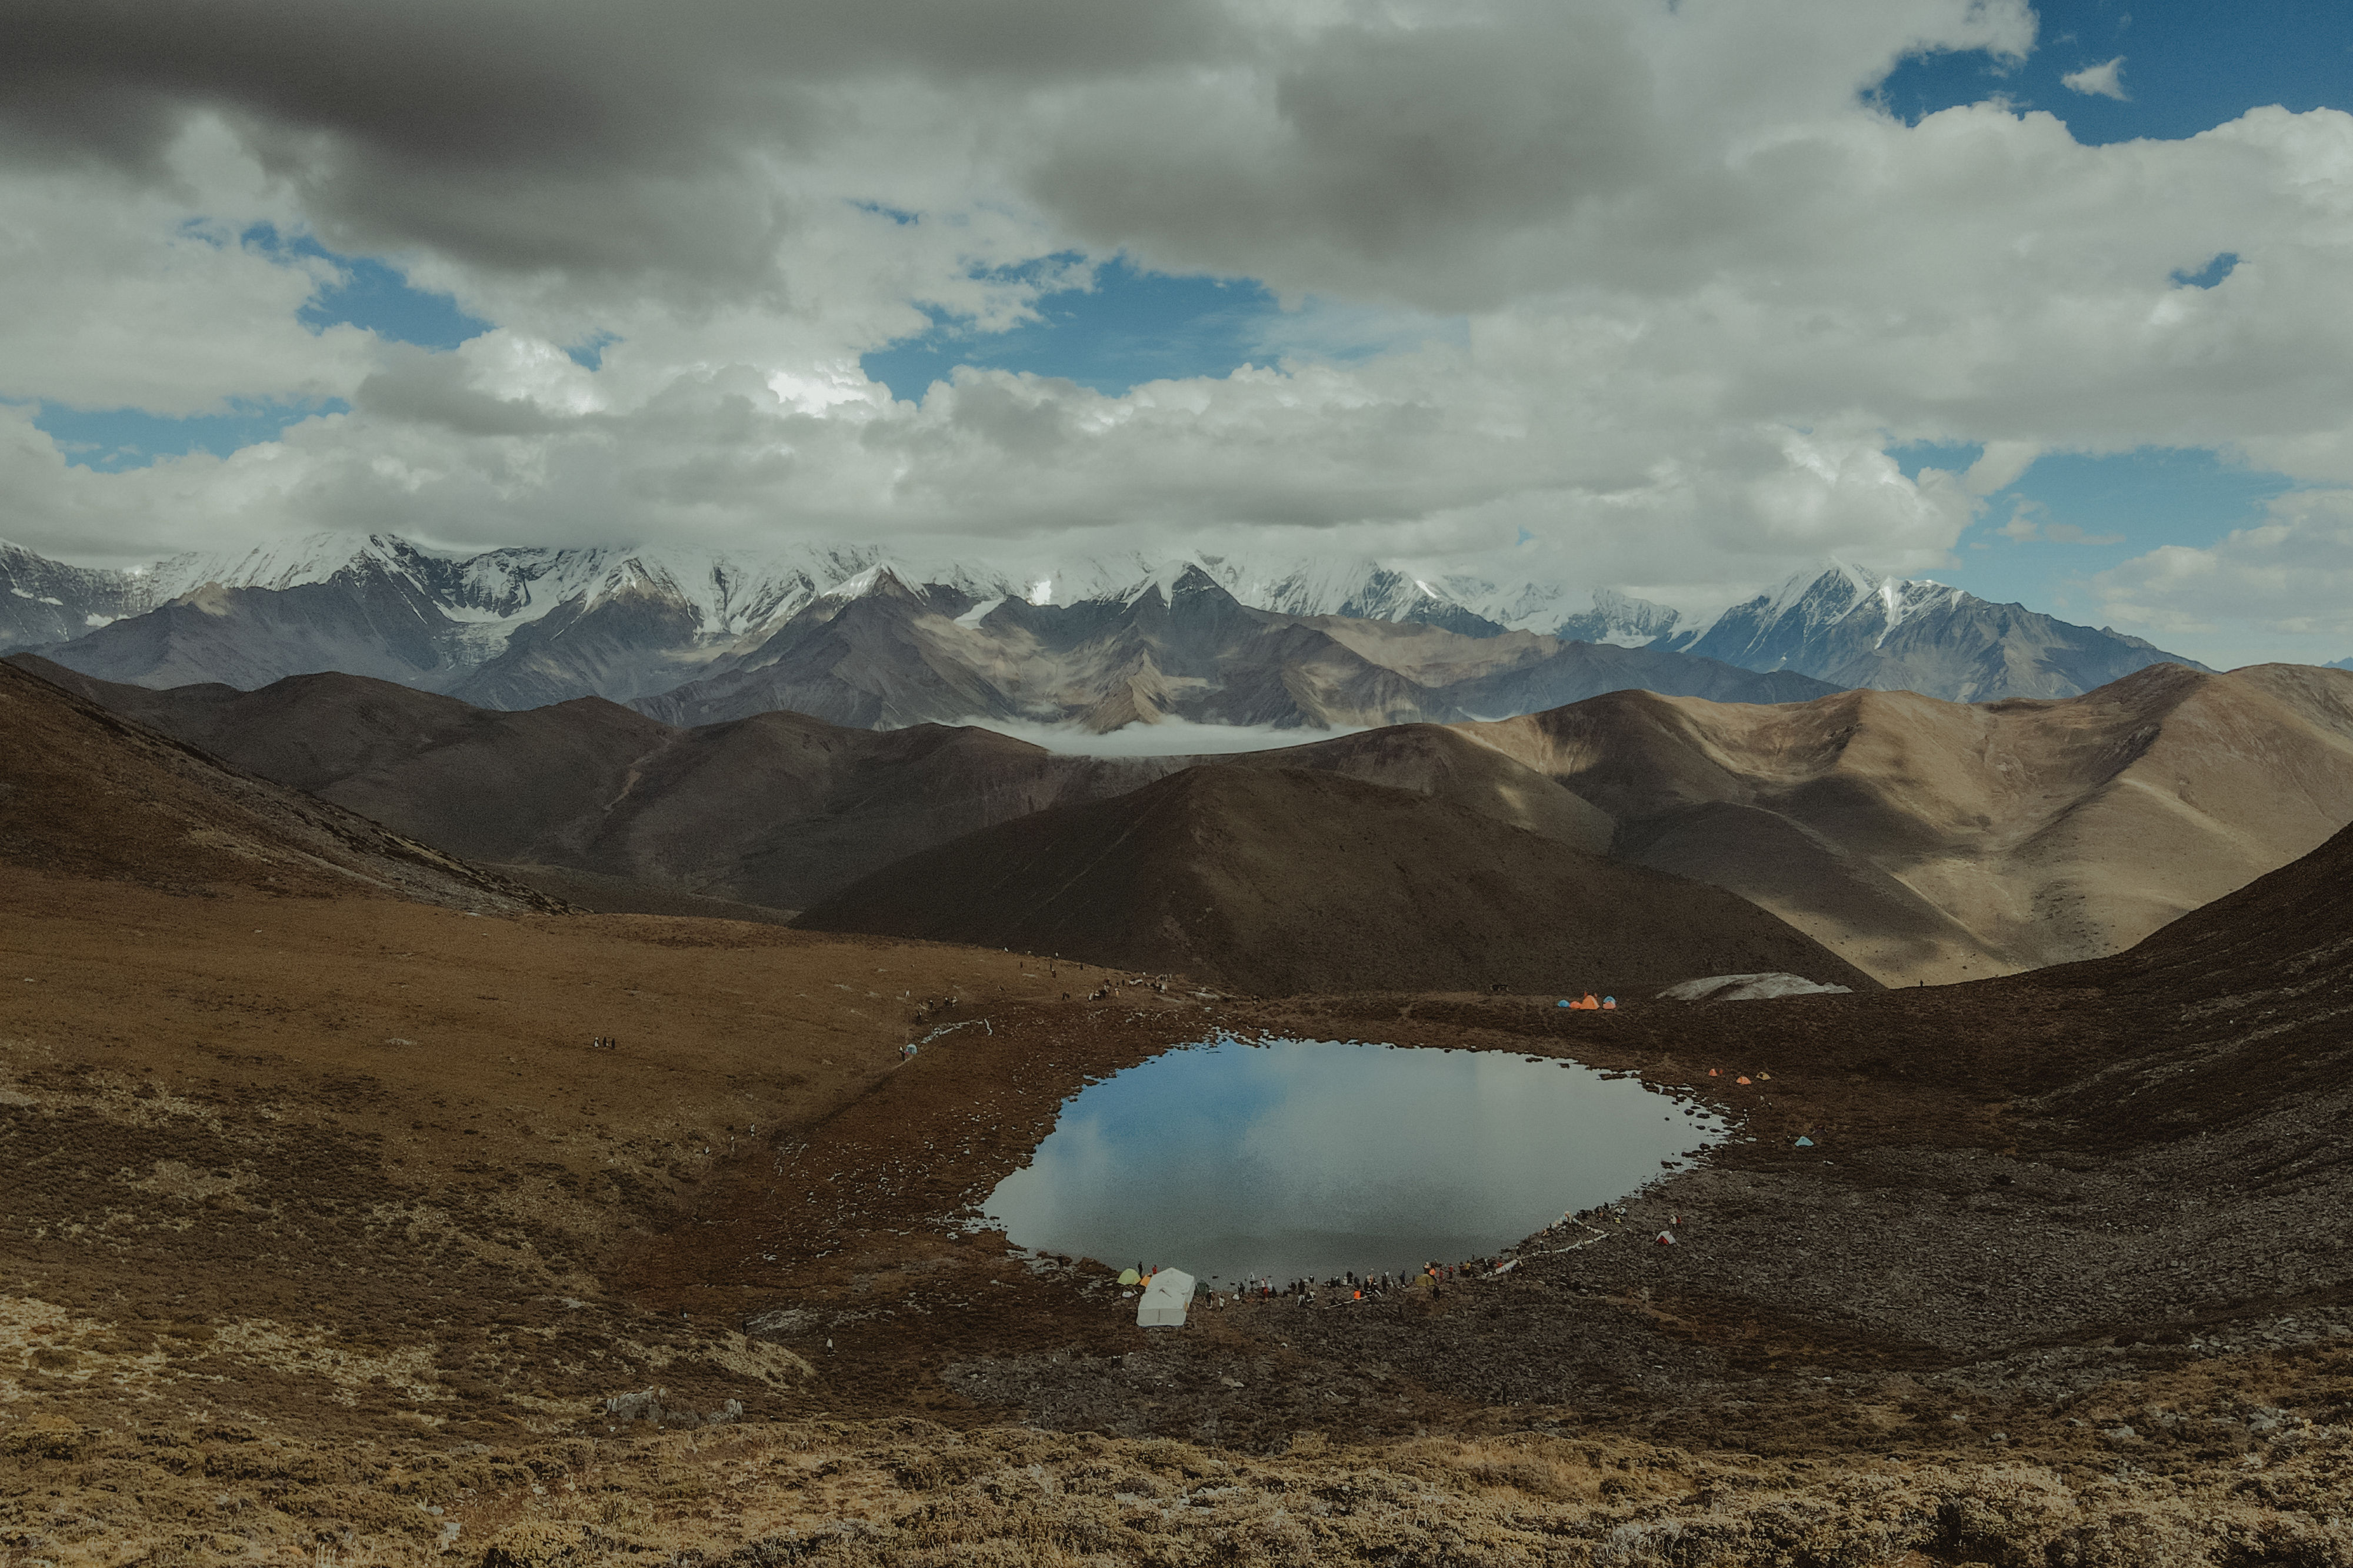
[(2283, 589), (2103, 81), (1999, 466), (2029, 520), (1636, 294), (2025, 523), (121, 296)]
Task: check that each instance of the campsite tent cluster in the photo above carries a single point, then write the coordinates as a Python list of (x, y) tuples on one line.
[(1167, 1292)]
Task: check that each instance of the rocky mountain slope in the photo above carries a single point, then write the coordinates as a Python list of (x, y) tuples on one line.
[(700, 639), (84, 793), (1847, 626), (884, 653), (1933, 840), (1279, 880), (524, 627), (43, 600), (1857, 628), (1921, 840), (777, 810), (2247, 997)]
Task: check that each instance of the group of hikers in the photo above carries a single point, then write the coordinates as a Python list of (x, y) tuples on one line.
[(1367, 1287)]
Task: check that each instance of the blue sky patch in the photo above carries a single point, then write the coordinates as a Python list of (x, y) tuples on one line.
[(1132, 327), (590, 356), (2187, 67), (2071, 514), (109, 440), (1954, 457), (2213, 272), (371, 296)]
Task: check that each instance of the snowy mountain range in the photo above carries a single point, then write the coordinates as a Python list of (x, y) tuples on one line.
[(669, 629)]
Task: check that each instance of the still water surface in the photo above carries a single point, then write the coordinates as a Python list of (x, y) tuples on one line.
[(1281, 1158)]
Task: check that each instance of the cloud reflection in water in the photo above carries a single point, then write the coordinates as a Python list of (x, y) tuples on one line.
[(1295, 1157)]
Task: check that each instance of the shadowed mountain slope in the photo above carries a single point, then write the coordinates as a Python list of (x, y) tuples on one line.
[(2242, 1008), (525, 627), (825, 631), (1922, 839), (1935, 840), (1279, 881), (43, 600), (365, 622), (890, 653), (83, 793), (774, 810)]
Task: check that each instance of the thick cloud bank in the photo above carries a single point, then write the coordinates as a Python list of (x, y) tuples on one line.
[(1620, 292)]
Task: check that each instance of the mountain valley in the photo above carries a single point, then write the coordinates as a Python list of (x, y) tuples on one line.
[(1917, 840), (390, 1220)]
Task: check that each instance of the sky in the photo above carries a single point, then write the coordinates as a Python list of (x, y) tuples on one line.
[(2046, 301)]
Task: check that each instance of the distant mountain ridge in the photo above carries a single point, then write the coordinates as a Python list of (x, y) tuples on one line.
[(1860, 631), (682, 628), (842, 634), (1917, 839)]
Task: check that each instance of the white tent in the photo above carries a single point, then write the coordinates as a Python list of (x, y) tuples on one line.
[(1166, 1297)]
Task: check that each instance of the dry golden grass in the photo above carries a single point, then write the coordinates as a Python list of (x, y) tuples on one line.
[(906, 1494)]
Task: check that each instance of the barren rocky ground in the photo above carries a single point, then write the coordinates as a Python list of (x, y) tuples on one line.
[(325, 1215), (335, 1232)]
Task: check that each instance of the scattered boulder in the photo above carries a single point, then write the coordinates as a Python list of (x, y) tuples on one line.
[(784, 1322), (653, 1404)]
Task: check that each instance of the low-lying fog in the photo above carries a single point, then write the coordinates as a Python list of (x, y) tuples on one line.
[(1169, 738)]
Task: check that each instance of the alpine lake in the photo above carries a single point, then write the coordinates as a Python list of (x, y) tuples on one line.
[(1236, 1160)]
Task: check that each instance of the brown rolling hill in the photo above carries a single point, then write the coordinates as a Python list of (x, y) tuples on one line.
[(767, 811), (1943, 841), (1921, 839), (2237, 1010), (1281, 880), (84, 793), (613, 811)]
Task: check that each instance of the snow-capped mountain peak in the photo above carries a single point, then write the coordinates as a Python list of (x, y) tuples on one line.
[(1853, 626), (471, 618)]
